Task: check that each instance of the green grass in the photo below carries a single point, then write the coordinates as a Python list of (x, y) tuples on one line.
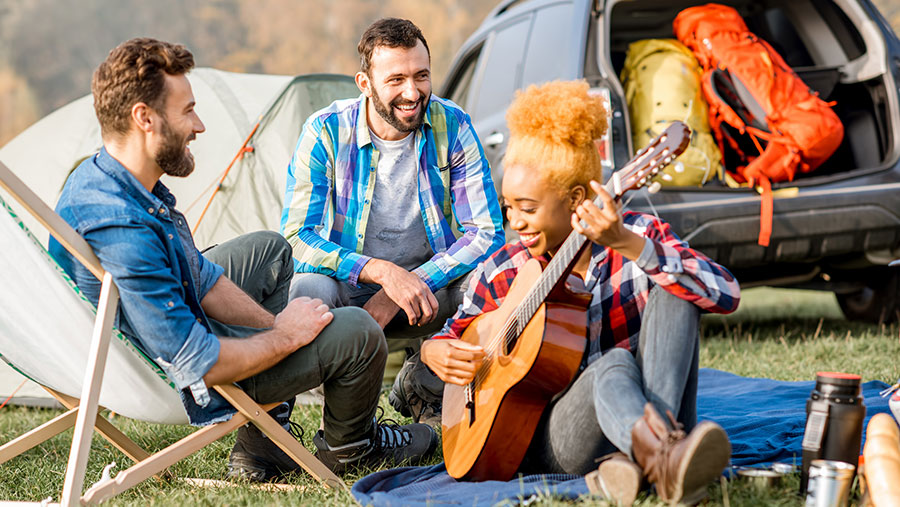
[(781, 334), (792, 334)]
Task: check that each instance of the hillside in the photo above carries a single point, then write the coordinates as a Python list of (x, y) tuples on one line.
[(48, 48)]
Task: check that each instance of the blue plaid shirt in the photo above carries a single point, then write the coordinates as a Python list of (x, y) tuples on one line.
[(331, 179)]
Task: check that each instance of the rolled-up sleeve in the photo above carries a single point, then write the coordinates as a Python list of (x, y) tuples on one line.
[(209, 275), (152, 300)]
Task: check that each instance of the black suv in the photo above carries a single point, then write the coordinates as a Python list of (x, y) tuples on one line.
[(834, 229)]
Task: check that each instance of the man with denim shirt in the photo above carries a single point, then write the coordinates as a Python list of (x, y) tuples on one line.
[(375, 185), (204, 328)]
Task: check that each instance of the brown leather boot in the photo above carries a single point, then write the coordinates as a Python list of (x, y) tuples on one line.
[(679, 465), (617, 479)]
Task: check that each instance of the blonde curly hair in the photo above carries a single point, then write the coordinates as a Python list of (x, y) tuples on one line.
[(552, 129)]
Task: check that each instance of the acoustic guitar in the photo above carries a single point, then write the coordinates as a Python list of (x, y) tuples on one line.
[(534, 344)]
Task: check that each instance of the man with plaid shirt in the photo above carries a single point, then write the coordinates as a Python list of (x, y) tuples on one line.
[(367, 234), (389, 202)]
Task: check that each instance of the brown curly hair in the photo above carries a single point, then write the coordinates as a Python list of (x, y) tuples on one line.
[(552, 130), (135, 72)]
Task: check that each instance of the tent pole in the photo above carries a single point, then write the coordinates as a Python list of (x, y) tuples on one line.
[(238, 156)]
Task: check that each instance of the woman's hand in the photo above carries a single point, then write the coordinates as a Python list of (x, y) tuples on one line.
[(453, 361), (605, 226)]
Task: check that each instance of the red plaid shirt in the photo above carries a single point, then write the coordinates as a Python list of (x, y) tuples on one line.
[(620, 287)]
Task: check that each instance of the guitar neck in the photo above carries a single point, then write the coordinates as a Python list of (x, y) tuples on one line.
[(560, 265)]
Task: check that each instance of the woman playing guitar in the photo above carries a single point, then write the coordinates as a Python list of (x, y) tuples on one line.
[(647, 288)]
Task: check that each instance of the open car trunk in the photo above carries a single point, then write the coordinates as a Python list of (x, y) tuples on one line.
[(834, 46)]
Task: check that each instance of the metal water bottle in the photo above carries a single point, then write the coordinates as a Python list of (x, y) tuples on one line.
[(834, 421)]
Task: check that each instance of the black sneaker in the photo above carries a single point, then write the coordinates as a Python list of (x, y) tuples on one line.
[(256, 458), (430, 414), (417, 392), (389, 443)]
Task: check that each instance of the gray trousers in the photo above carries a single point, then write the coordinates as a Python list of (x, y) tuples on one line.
[(595, 416), (337, 294), (347, 357)]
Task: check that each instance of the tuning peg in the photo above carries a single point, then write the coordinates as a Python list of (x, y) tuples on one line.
[(679, 167), (666, 177), (654, 187)]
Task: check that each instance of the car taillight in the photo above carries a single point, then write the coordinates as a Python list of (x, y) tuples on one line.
[(604, 144)]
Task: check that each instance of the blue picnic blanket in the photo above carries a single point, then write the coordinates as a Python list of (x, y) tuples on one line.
[(764, 419)]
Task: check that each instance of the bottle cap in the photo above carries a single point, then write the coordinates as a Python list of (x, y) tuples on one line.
[(837, 378)]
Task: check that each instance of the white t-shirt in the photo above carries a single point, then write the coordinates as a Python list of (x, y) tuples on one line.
[(395, 230)]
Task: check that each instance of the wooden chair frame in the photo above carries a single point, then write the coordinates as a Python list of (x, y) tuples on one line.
[(83, 413)]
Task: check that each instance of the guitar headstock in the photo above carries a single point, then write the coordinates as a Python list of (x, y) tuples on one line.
[(661, 151)]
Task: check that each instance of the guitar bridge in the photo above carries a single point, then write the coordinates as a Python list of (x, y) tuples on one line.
[(470, 403)]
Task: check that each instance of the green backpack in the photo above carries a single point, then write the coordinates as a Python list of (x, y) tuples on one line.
[(662, 84)]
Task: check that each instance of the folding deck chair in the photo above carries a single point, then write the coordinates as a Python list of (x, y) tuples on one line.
[(69, 349)]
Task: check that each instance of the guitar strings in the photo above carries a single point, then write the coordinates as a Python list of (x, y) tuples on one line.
[(530, 304)]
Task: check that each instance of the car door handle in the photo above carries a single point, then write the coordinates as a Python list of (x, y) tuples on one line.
[(494, 140)]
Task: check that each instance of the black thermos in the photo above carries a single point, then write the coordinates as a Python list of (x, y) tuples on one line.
[(834, 421)]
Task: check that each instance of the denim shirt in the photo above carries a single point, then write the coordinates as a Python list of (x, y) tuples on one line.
[(144, 242)]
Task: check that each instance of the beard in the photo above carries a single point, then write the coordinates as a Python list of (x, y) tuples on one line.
[(386, 111), (172, 157)]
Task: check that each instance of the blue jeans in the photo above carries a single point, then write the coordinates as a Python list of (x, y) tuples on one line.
[(595, 416)]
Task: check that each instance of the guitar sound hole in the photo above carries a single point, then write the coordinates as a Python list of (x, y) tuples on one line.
[(512, 337)]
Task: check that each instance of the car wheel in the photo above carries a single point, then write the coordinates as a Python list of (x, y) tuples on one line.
[(877, 302)]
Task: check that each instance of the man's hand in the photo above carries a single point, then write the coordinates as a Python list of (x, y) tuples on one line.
[(301, 321), (605, 226), (381, 308), (296, 326), (405, 289), (453, 361)]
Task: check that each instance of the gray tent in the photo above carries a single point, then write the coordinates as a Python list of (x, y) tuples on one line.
[(252, 124)]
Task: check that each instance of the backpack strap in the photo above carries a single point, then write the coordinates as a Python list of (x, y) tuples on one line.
[(776, 159)]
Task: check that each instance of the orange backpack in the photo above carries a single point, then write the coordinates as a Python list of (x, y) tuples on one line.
[(757, 104)]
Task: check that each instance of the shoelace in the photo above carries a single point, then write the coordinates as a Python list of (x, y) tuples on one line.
[(295, 430), (677, 433), (284, 420), (389, 434), (672, 437)]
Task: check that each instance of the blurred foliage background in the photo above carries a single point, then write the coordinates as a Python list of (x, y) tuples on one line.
[(49, 48)]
